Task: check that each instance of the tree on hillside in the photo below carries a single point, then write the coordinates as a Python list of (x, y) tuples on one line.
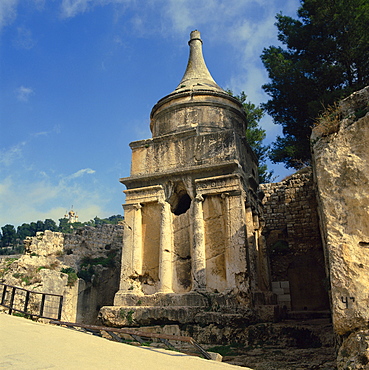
[(115, 219), (25, 230), (9, 236), (67, 227), (255, 135), (326, 58), (50, 224)]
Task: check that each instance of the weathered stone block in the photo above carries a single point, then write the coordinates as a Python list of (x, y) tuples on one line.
[(342, 174)]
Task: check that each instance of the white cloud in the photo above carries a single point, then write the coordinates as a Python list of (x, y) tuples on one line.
[(179, 13), (8, 12), (27, 200), (81, 173), (29, 193), (24, 93), (217, 15), (5, 187), (8, 156), (41, 133), (71, 8)]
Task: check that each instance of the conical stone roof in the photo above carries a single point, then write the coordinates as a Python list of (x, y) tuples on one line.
[(198, 103), (197, 75)]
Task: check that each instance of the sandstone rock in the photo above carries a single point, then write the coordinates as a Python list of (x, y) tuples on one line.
[(341, 164), (45, 243), (215, 356), (354, 352)]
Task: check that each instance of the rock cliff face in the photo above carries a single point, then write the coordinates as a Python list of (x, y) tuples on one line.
[(340, 145)]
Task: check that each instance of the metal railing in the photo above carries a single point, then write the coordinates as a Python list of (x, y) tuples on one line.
[(31, 303), (137, 336)]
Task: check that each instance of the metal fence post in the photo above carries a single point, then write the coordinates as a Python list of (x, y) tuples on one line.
[(26, 301), (60, 307), (42, 305), (4, 294), (12, 301)]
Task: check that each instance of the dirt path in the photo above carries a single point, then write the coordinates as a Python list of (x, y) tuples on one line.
[(25, 344)]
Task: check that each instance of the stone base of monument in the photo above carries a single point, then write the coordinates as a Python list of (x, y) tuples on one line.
[(195, 307), (200, 308)]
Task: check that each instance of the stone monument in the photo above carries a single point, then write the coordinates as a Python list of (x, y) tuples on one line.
[(192, 245)]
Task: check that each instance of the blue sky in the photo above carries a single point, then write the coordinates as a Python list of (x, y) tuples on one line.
[(78, 79)]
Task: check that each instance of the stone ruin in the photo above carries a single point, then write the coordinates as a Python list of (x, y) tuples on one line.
[(193, 250), (207, 251), (204, 244)]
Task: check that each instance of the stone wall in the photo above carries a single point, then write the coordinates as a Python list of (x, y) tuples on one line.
[(45, 243), (294, 243), (341, 164)]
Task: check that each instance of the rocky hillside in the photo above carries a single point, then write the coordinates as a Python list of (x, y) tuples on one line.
[(83, 266)]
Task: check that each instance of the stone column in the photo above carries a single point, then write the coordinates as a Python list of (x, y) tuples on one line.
[(137, 240), (126, 269), (198, 257), (236, 258), (132, 215), (166, 250)]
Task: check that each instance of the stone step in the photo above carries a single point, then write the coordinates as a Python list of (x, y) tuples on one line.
[(308, 315), (164, 315)]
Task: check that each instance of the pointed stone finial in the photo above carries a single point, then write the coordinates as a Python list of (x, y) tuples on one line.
[(198, 103), (197, 74)]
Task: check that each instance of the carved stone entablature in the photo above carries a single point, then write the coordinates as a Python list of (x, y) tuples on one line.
[(145, 194), (219, 184)]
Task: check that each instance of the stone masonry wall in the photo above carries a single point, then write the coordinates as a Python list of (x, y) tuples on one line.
[(294, 243), (290, 211)]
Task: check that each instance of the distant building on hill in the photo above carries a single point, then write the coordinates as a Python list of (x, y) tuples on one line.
[(71, 216)]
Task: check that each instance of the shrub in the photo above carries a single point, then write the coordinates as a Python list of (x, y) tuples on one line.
[(72, 275)]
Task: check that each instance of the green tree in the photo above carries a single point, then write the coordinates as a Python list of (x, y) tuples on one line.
[(99, 221), (50, 224), (25, 230), (33, 226), (326, 57), (9, 236), (115, 219), (40, 226), (255, 135), (65, 226)]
